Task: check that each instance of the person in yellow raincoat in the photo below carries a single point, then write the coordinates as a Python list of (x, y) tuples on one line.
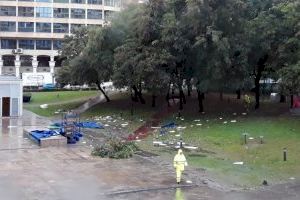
[(179, 164)]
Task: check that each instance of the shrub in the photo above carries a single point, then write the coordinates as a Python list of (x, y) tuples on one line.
[(115, 148)]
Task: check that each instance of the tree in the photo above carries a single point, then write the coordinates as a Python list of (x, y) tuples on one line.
[(290, 80), (268, 33)]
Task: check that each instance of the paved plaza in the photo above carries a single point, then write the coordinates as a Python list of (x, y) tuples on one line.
[(29, 172)]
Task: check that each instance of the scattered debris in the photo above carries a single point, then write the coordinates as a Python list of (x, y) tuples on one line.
[(233, 121), (190, 147), (234, 113), (225, 122), (172, 131), (44, 106), (238, 163), (244, 113), (220, 117), (188, 181), (292, 178), (197, 120), (251, 138), (199, 124)]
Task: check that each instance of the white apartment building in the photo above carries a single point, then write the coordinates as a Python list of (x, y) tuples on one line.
[(31, 31)]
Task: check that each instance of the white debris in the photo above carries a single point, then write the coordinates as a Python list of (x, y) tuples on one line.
[(155, 127), (251, 138), (244, 113), (178, 143), (197, 120), (225, 122), (181, 127), (188, 181), (11, 126), (124, 124), (238, 163), (207, 120), (234, 113), (157, 142), (56, 112), (44, 106), (192, 125), (292, 178), (106, 124), (141, 120), (182, 119), (137, 140), (190, 147), (83, 142), (220, 117), (198, 124), (233, 121), (178, 135), (172, 131)]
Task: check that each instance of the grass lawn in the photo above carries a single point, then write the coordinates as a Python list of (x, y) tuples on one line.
[(64, 100), (220, 142), (120, 106)]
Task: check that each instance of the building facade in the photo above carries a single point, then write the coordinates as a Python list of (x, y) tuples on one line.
[(31, 31)]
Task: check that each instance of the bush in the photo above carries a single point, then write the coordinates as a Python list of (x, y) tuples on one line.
[(115, 148)]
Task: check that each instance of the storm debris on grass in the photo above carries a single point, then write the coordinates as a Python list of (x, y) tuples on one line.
[(115, 148)]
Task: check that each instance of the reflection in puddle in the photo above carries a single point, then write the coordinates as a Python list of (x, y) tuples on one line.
[(179, 195)]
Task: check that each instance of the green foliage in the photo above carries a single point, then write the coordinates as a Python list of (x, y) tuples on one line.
[(290, 79), (115, 148)]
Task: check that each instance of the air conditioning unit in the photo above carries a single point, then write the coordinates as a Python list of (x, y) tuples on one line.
[(17, 51)]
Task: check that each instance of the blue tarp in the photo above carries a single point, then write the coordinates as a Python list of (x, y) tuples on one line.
[(169, 125), (81, 125), (38, 134), (89, 125)]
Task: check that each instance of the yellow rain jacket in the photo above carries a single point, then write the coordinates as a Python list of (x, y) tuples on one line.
[(179, 164)]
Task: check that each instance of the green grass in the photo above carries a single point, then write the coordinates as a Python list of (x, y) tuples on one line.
[(223, 145), (64, 100)]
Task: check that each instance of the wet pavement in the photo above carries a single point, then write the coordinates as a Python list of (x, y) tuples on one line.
[(28, 172)]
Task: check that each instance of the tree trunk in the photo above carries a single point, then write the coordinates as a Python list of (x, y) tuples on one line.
[(257, 91), (292, 101), (138, 95), (221, 95), (180, 101), (135, 96), (183, 96), (153, 100), (282, 98), (238, 94), (200, 100), (260, 69), (102, 91), (189, 88)]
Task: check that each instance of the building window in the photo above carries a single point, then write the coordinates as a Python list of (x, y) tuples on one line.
[(107, 13), (112, 3), (7, 11), (8, 44), (8, 26), (26, 61), (43, 12), (49, 1), (61, 1), (60, 12), (57, 44), (25, 26), (94, 2), (43, 27), (60, 28), (26, 44), (76, 26), (43, 44), (78, 1), (94, 14), (26, 11), (78, 13)]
